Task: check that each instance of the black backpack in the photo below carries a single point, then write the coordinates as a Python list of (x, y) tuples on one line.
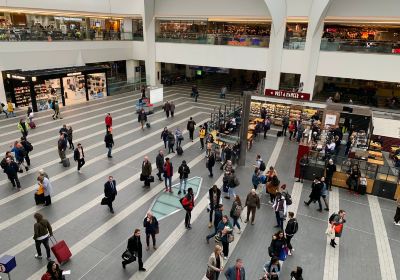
[(275, 181), (332, 217), (179, 151), (288, 198), (28, 146), (262, 166)]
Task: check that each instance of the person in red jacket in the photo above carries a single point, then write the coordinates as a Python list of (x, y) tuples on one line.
[(188, 204), (108, 121)]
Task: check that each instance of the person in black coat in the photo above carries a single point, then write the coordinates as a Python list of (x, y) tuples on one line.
[(160, 164), (135, 248), (164, 136), (329, 171), (109, 140), (210, 164), (214, 198), (79, 156), (142, 118), (191, 126), (11, 169), (110, 192), (315, 195), (151, 225)]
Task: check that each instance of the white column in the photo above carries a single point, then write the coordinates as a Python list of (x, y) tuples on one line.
[(189, 72), (2, 91), (149, 40), (131, 74), (275, 55), (158, 73), (127, 29)]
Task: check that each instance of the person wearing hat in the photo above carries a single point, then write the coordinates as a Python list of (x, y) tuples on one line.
[(184, 172)]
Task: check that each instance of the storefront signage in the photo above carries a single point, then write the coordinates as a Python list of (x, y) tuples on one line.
[(68, 19), (74, 74), (17, 77), (287, 94)]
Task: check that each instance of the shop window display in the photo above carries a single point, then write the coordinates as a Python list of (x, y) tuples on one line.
[(47, 91), (22, 94), (74, 89), (96, 84)]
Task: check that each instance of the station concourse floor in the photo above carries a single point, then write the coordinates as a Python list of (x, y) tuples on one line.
[(369, 247)]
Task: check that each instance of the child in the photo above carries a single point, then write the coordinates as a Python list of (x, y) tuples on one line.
[(363, 184)]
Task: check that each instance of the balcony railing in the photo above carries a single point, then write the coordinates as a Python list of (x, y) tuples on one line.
[(214, 39), (26, 34), (330, 44)]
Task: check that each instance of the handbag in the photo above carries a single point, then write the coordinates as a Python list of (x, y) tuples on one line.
[(142, 177), (151, 179), (282, 255), (104, 201), (127, 255), (330, 231), (209, 273)]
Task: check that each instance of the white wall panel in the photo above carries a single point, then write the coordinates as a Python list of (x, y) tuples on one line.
[(210, 55), (364, 8), (206, 8), (298, 8), (292, 61), (379, 67)]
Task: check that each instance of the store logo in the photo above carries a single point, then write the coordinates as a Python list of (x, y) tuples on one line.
[(18, 77), (287, 94)]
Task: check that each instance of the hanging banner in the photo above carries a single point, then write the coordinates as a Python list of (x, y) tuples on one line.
[(287, 94)]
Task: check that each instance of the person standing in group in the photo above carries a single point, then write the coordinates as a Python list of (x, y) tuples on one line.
[(172, 108), (42, 232), (142, 118), (236, 272), (210, 164), (235, 212), (167, 108), (297, 274), (146, 172), (164, 136), (300, 130), (48, 189), (10, 109), (171, 142), (252, 203), (20, 155), (337, 221), (62, 146), (11, 169), (304, 163), (277, 245), (135, 248), (315, 194), (110, 192), (109, 140), (160, 164), (285, 124), (69, 136), (397, 215), (79, 156), (272, 269), (280, 209), (191, 126), (214, 199), (227, 152), (179, 137), (324, 193), (64, 130), (23, 127), (202, 135), (184, 172), (188, 204), (329, 171), (150, 223), (217, 219), (291, 228), (215, 263), (168, 171), (225, 229), (272, 184), (28, 148), (108, 121)]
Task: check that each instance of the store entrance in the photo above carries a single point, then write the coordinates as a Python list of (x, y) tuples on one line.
[(74, 89)]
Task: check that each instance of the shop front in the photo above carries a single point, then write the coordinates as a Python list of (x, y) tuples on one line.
[(71, 85)]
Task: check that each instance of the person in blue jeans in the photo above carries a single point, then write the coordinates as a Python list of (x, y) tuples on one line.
[(280, 209), (108, 139), (184, 172), (217, 218)]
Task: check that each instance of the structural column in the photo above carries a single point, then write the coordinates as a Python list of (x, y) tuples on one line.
[(2, 90), (153, 71), (131, 74)]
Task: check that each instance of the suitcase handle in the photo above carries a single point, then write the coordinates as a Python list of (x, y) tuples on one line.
[(51, 240)]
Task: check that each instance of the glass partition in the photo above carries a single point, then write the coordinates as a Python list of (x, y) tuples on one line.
[(295, 36), (370, 38)]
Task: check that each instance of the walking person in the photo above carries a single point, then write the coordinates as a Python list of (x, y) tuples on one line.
[(160, 164), (225, 230), (79, 156), (168, 171), (210, 164), (108, 121), (20, 155), (109, 140), (10, 109), (217, 218), (336, 221), (28, 148), (278, 243), (214, 199), (236, 272), (23, 127), (151, 226), (215, 263), (252, 203), (172, 108), (41, 233), (227, 155), (292, 130), (11, 169), (291, 229), (266, 126), (235, 212), (167, 108), (56, 109), (315, 194), (233, 182), (202, 135), (69, 136), (135, 249), (171, 142), (184, 172), (297, 274), (272, 269), (62, 146), (188, 204), (142, 118), (164, 136), (325, 193), (146, 172), (195, 93), (272, 184), (3, 109), (397, 215), (304, 163), (110, 192), (191, 126), (179, 137), (280, 209), (329, 171)]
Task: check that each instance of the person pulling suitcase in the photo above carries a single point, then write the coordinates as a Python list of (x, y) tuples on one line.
[(42, 232)]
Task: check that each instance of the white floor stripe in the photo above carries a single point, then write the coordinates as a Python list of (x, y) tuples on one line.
[(331, 267), (86, 182), (386, 263), (94, 235)]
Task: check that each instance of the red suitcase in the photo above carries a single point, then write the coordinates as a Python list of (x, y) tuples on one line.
[(61, 251)]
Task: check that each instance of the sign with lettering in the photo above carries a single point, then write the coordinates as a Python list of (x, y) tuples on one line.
[(287, 94)]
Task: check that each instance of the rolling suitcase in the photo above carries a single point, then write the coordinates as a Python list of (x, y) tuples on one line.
[(60, 251), (32, 125), (179, 151), (66, 162), (362, 189)]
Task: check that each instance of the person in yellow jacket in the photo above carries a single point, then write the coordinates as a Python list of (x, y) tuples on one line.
[(10, 108), (23, 127), (202, 135)]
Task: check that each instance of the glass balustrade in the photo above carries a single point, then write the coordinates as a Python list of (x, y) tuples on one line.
[(329, 44)]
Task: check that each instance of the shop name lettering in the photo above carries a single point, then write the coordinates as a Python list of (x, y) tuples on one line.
[(279, 93)]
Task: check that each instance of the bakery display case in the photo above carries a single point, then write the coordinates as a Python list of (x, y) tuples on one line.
[(255, 109)]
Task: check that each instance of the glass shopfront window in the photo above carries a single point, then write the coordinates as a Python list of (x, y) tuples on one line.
[(96, 84), (295, 36), (253, 34), (371, 38), (74, 89), (46, 91)]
